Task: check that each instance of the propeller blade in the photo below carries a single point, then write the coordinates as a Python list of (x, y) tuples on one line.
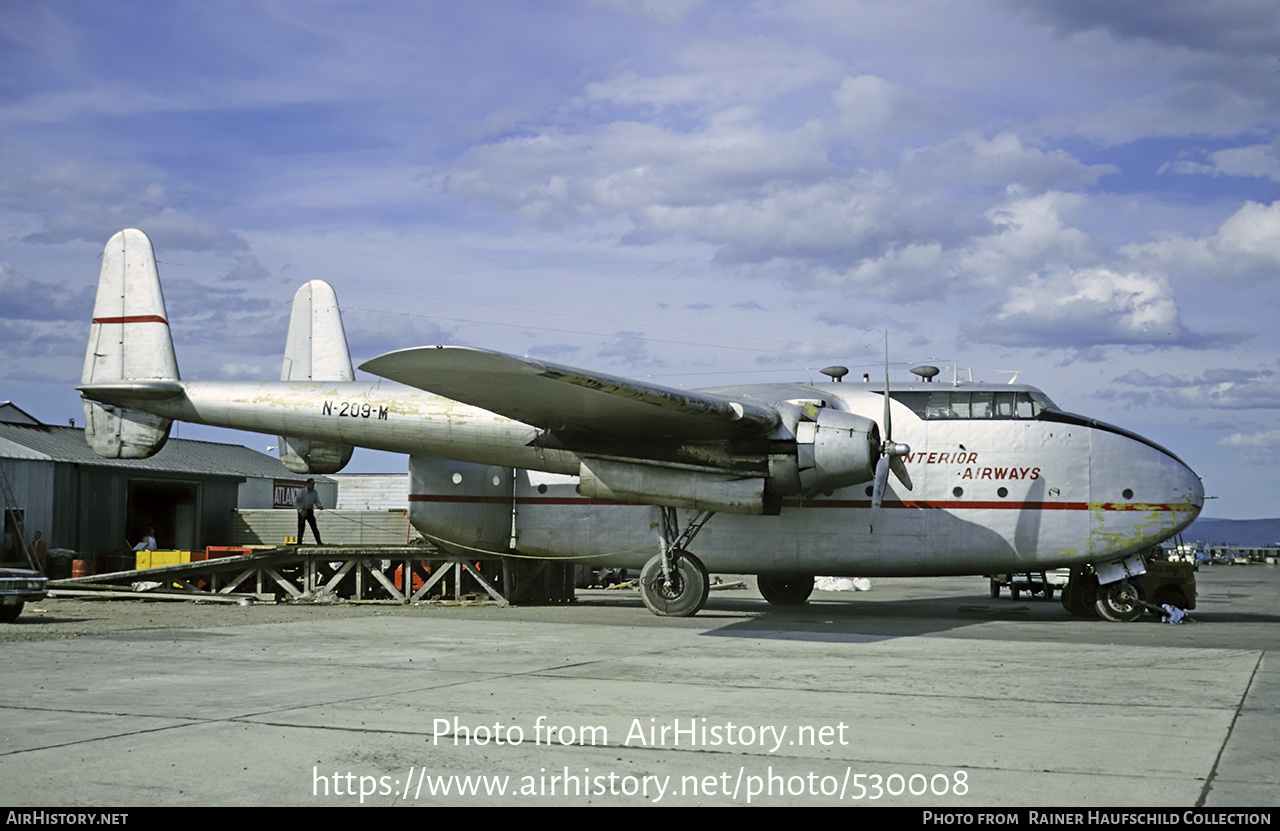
[(877, 491), (882, 478), (900, 470), (888, 421)]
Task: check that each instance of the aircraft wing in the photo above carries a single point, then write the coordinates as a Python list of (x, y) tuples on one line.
[(564, 399)]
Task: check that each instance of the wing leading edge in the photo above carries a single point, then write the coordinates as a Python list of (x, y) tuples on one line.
[(562, 398)]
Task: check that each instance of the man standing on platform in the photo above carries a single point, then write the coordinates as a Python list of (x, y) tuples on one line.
[(307, 503)]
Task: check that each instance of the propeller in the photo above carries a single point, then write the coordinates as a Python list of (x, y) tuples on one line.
[(891, 453)]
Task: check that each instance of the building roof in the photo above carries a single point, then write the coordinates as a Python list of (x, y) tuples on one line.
[(11, 413), (206, 458)]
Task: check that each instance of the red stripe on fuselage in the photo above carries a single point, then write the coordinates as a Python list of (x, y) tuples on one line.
[(818, 503), (132, 319)]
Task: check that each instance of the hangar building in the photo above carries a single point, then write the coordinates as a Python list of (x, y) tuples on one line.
[(97, 507)]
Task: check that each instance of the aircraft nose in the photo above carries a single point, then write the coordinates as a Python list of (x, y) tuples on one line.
[(1178, 492), (1188, 491), (1143, 494)]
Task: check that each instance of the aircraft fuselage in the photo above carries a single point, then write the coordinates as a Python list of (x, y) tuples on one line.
[(991, 494)]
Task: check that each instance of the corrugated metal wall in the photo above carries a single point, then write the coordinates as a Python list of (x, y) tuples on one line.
[(372, 491), (336, 527), (32, 485)]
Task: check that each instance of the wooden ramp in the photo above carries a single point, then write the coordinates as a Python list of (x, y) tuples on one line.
[(322, 574)]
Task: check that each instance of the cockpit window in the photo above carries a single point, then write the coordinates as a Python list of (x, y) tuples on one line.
[(974, 404)]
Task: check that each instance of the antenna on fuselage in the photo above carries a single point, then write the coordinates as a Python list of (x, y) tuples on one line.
[(926, 372)]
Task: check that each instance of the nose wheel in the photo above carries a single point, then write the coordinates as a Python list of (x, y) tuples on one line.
[(1120, 602)]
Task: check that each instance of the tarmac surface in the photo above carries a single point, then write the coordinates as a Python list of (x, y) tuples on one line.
[(925, 693)]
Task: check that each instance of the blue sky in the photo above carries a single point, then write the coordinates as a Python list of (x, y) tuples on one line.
[(700, 193)]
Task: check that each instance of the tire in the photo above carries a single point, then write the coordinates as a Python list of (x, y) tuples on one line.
[(785, 589), (1048, 592), (8, 614), (1080, 594), (689, 586), (1014, 592), (1170, 595), (995, 587), (1120, 602)]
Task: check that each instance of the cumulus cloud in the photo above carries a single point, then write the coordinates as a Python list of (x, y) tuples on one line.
[(1255, 160), (1221, 388), (1089, 307), (247, 269), (721, 73), (1245, 249), (1254, 448), (1000, 162), (1227, 26), (83, 200), (1189, 109), (26, 298), (630, 349), (870, 108), (970, 209)]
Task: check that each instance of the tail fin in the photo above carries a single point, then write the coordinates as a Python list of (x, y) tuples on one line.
[(315, 350), (129, 340)]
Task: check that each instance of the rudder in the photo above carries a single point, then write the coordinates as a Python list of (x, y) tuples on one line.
[(315, 350), (129, 340)]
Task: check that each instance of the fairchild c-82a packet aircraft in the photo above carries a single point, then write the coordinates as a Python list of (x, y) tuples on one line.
[(517, 457)]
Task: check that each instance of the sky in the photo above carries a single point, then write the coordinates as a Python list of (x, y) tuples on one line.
[(695, 193)]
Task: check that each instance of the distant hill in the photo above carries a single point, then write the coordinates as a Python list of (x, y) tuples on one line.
[(1243, 532)]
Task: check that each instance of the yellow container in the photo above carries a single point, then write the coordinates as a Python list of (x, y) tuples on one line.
[(155, 559)]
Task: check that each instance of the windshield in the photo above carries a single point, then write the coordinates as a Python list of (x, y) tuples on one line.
[(949, 404)]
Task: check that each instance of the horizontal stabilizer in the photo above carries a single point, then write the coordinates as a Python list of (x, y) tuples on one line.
[(124, 392), (562, 398)]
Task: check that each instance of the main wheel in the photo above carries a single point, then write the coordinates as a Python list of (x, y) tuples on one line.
[(995, 587), (8, 614), (1120, 602), (688, 590), (785, 589)]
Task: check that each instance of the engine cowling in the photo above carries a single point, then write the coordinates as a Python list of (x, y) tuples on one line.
[(834, 449)]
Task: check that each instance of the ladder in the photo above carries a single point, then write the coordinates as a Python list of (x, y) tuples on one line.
[(13, 517)]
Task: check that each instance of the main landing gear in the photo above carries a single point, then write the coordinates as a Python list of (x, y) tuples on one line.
[(785, 589), (1126, 599), (1120, 601), (675, 583)]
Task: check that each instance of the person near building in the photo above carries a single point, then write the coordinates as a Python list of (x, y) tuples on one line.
[(307, 503), (147, 543)]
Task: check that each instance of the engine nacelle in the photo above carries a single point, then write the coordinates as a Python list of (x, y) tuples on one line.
[(119, 433), (834, 449), (306, 456), (672, 487)]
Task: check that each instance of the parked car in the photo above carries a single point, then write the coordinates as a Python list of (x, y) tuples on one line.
[(18, 586)]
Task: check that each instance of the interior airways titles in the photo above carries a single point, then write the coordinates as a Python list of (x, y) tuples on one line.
[(512, 456), (970, 472)]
